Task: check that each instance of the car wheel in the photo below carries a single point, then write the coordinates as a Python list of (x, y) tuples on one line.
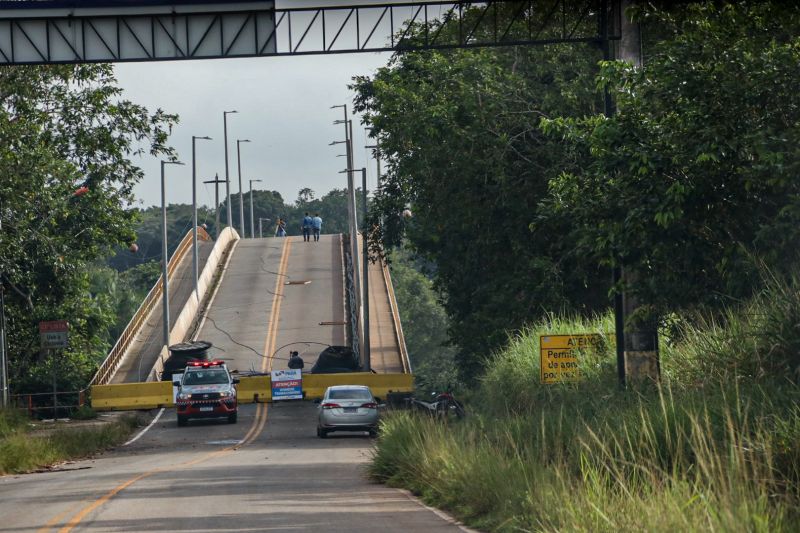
[(232, 418), (182, 420), (322, 433)]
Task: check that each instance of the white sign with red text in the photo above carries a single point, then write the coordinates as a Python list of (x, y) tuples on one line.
[(287, 385)]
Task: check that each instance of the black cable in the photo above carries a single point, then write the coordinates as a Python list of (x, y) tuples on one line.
[(213, 323)]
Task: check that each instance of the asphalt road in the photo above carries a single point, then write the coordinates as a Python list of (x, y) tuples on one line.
[(268, 472)]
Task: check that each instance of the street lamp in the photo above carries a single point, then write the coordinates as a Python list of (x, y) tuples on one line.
[(164, 270), (195, 254), (227, 176), (252, 227), (260, 227), (241, 192)]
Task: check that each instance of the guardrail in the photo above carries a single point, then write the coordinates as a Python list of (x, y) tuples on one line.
[(398, 327), (251, 389), (114, 358), (48, 401)]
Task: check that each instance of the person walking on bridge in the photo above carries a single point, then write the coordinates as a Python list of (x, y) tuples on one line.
[(308, 223), (316, 224), (280, 230)]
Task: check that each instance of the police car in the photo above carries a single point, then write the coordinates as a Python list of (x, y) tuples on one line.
[(206, 390)]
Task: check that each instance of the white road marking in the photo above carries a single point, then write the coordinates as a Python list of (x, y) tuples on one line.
[(142, 432), (438, 512)]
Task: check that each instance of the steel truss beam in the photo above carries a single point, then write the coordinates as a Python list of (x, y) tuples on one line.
[(153, 31)]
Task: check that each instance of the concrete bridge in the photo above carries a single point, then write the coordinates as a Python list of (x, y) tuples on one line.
[(258, 299)]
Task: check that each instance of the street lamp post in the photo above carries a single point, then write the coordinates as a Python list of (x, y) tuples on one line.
[(241, 191), (365, 253), (227, 175), (195, 253), (164, 270), (252, 227)]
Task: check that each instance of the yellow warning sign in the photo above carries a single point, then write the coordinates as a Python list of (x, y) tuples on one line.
[(559, 356)]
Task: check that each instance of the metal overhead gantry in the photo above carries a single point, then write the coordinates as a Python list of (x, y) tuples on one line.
[(88, 31)]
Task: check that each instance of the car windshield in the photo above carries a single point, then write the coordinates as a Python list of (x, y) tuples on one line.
[(206, 377), (349, 394)]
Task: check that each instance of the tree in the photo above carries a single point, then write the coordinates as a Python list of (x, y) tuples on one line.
[(459, 133), (66, 185), (692, 184)]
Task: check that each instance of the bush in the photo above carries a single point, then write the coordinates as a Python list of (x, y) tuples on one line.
[(715, 446)]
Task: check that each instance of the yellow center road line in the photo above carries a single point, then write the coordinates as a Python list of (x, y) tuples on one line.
[(272, 332), (257, 426)]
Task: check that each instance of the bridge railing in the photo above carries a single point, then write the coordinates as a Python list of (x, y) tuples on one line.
[(114, 358), (398, 326)]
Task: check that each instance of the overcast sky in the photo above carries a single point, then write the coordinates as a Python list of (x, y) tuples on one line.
[(284, 109)]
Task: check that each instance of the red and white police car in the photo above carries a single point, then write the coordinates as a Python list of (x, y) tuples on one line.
[(206, 390)]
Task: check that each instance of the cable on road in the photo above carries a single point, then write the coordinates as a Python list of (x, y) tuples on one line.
[(230, 337)]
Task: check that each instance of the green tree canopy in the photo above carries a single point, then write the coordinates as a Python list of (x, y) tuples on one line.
[(66, 181), (693, 182)]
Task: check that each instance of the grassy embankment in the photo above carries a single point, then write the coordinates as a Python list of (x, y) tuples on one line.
[(717, 447), (23, 449)]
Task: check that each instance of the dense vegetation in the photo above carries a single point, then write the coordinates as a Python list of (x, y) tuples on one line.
[(525, 194), (23, 448), (66, 180), (698, 454)]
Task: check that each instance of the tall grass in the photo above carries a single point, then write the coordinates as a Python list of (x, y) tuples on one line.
[(714, 447), (22, 450)]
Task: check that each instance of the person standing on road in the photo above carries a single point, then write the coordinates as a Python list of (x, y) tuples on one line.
[(308, 223), (280, 230), (316, 224)]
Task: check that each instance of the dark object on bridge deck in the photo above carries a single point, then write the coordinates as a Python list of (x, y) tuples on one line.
[(182, 353), (336, 360)]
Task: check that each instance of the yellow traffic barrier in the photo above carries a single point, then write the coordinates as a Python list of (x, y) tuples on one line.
[(127, 396), (314, 385), (132, 396), (250, 387)]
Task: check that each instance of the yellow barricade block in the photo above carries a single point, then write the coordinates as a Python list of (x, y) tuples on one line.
[(314, 385), (127, 396), (250, 387), (131, 396)]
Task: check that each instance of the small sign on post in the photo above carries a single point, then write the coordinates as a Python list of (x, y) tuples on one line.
[(53, 334), (287, 385), (559, 356)]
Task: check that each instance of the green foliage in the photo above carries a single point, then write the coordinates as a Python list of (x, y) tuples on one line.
[(459, 133), (720, 452), (24, 450), (66, 182), (425, 328), (695, 174)]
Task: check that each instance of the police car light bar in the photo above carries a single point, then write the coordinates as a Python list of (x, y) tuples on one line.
[(206, 364)]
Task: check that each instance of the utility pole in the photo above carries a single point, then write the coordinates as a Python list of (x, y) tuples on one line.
[(365, 253), (352, 216), (216, 181), (227, 175), (241, 191), (3, 346), (252, 228), (637, 340)]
